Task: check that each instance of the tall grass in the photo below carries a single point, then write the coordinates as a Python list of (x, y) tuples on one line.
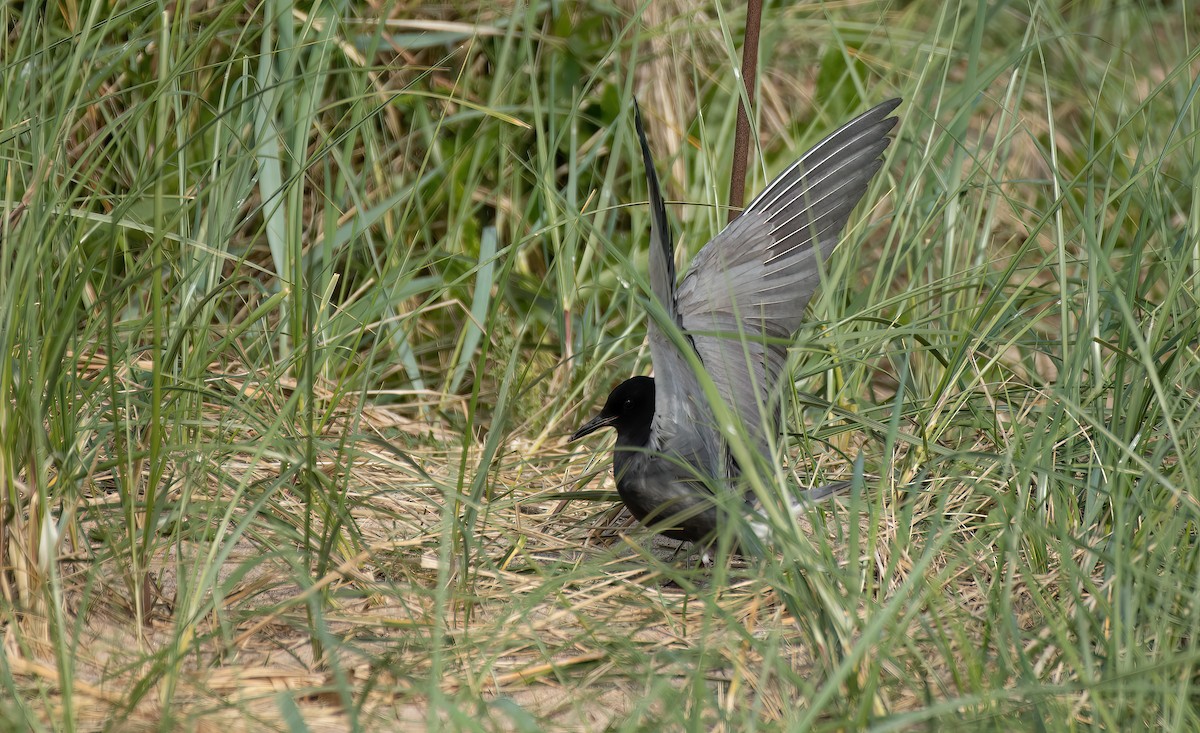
[(298, 303)]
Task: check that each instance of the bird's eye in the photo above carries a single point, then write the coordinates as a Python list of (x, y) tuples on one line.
[(628, 405)]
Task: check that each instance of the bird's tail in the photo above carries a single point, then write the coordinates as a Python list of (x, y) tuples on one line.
[(807, 498), (820, 493)]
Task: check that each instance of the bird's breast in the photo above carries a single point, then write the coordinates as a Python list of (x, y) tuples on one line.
[(662, 493)]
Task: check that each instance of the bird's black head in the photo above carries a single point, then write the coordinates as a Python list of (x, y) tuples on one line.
[(629, 409)]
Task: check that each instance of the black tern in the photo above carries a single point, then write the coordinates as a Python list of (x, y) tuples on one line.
[(739, 307)]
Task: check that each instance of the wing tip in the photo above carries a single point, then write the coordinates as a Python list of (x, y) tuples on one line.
[(875, 118), (890, 105), (662, 253), (882, 110), (647, 159)]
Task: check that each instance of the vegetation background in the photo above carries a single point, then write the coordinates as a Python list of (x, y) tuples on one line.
[(298, 302)]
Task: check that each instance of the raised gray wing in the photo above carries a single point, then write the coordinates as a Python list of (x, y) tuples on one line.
[(743, 297), (683, 424)]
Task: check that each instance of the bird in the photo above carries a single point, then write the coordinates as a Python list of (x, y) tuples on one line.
[(738, 308)]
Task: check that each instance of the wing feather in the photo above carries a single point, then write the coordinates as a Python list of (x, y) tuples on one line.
[(744, 295), (683, 423)]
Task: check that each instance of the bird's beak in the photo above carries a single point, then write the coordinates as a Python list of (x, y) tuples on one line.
[(591, 426)]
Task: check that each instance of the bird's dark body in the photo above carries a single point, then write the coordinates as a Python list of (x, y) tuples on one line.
[(739, 305), (655, 494)]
